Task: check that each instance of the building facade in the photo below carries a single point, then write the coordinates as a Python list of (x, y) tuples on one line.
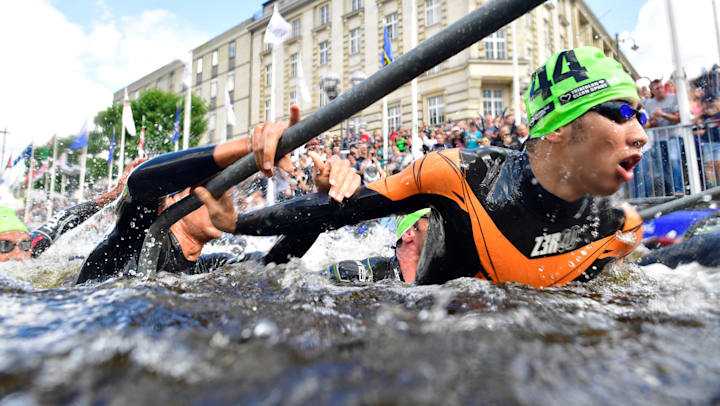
[(346, 37)]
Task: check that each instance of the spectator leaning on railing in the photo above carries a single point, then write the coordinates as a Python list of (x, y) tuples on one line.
[(664, 111)]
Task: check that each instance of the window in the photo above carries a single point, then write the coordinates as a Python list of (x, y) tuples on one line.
[(293, 97), (436, 69), (355, 41), (323, 51), (355, 5), (230, 82), (323, 98), (391, 25), (268, 46), (199, 66), (293, 65), (171, 82), (158, 84), (495, 45), (548, 36), (394, 118), (137, 94), (267, 110), (324, 14), (231, 51), (436, 110), (432, 12), (211, 123), (213, 89), (268, 74), (296, 28), (215, 58), (493, 102)]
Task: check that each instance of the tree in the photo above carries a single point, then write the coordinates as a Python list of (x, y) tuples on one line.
[(158, 108)]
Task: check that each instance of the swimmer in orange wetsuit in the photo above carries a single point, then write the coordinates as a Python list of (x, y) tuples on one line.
[(540, 216)]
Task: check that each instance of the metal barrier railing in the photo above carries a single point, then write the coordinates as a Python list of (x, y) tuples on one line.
[(678, 160)]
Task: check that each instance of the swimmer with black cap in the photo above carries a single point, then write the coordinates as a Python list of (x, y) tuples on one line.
[(541, 217)]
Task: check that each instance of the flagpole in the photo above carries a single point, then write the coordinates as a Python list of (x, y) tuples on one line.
[(110, 165), (516, 78), (188, 110), (52, 176), (29, 184), (3, 152), (83, 163), (416, 147), (270, 199), (386, 153), (121, 159)]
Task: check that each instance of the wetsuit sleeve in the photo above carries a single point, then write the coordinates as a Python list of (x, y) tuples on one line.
[(169, 173), (44, 236), (369, 269), (412, 189)]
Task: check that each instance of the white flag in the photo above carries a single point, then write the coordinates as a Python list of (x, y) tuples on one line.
[(187, 73), (278, 30), (127, 117), (229, 109), (304, 92)]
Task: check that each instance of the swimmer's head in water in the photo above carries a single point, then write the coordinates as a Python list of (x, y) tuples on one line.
[(407, 221), (9, 221), (569, 84)]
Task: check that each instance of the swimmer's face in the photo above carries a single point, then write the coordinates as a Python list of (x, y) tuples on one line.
[(601, 153), (15, 253), (414, 237)]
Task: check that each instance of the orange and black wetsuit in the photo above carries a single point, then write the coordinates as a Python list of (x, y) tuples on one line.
[(491, 219)]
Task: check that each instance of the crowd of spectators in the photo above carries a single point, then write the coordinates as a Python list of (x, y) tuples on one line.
[(365, 153)]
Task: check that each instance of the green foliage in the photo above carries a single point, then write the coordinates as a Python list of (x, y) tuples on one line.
[(158, 108)]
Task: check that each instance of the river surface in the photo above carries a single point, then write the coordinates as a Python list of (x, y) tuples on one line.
[(286, 335)]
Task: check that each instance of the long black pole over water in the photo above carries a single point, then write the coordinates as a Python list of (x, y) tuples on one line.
[(470, 29), (679, 204)]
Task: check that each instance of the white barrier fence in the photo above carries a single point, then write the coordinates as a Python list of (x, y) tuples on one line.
[(678, 160)]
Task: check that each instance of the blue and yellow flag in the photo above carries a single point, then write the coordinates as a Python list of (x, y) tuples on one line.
[(387, 48)]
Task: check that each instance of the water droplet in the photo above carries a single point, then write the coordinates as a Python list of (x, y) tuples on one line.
[(572, 264)]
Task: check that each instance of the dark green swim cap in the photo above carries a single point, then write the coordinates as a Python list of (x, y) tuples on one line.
[(569, 84)]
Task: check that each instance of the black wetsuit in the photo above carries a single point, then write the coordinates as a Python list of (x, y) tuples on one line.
[(45, 235), (491, 219), (140, 205)]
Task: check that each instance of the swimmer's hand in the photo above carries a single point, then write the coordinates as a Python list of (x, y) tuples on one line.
[(115, 192), (222, 212), (335, 177), (264, 143)]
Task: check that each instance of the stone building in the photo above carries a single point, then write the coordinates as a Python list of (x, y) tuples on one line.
[(346, 37)]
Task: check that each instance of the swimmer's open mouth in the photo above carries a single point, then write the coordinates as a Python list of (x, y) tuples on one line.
[(629, 163)]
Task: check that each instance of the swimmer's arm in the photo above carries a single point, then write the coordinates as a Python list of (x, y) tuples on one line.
[(169, 173), (44, 236)]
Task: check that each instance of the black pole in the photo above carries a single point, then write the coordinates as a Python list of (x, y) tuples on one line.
[(476, 25), (679, 204)]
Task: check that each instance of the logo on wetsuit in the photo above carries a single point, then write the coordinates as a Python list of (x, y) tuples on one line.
[(562, 241)]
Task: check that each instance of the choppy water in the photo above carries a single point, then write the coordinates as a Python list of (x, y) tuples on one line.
[(285, 335)]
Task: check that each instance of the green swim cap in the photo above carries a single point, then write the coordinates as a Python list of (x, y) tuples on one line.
[(407, 221), (9, 221), (569, 84)]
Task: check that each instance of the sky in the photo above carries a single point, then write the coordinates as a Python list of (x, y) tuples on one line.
[(71, 55)]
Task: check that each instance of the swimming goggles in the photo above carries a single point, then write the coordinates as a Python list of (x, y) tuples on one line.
[(7, 246), (620, 112)]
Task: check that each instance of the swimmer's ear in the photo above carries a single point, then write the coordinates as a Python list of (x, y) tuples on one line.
[(560, 135)]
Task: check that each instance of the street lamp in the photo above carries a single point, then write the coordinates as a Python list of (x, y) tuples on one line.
[(330, 84), (634, 46)]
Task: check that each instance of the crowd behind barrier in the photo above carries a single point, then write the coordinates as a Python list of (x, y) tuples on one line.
[(663, 173)]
